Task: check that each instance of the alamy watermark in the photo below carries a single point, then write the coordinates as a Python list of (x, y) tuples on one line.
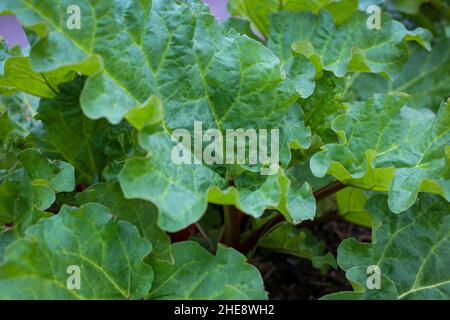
[(74, 280), (374, 279), (74, 17), (237, 146), (374, 20)]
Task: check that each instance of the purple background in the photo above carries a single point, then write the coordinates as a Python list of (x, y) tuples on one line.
[(218, 8), (11, 30)]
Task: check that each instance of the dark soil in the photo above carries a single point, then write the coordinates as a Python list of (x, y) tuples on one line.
[(292, 278)]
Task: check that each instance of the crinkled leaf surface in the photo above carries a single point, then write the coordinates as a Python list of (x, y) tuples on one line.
[(32, 188), (348, 48), (258, 12), (180, 56), (67, 134), (388, 147), (424, 77), (196, 274), (285, 192), (411, 250), (109, 254), (140, 213), (176, 50), (157, 179), (166, 64), (322, 107)]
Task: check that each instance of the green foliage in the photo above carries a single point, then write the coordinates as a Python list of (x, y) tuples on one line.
[(196, 274), (411, 250), (87, 136)]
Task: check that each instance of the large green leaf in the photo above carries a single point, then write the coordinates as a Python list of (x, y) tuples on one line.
[(424, 77), (68, 135), (109, 255), (158, 179), (284, 191), (258, 12), (176, 50), (140, 213), (411, 250), (385, 146), (350, 47), (196, 274)]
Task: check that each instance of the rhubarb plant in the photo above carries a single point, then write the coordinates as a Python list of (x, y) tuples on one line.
[(149, 151)]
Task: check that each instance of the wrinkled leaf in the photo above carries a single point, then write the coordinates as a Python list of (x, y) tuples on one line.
[(140, 213), (386, 146), (108, 254), (196, 274), (411, 251)]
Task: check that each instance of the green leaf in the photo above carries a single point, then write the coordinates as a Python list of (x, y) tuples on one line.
[(19, 75), (385, 146), (6, 238), (4, 55), (140, 213), (148, 114), (27, 191), (196, 274), (364, 4), (424, 77), (21, 110), (352, 47), (159, 180), (109, 255), (289, 239), (6, 126), (62, 121), (241, 26), (411, 251), (322, 107), (302, 72), (351, 202), (259, 12), (178, 53), (59, 175), (253, 194)]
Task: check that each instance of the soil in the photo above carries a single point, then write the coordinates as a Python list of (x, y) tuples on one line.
[(292, 278)]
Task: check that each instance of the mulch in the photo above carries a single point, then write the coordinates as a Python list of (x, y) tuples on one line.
[(289, 277)]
